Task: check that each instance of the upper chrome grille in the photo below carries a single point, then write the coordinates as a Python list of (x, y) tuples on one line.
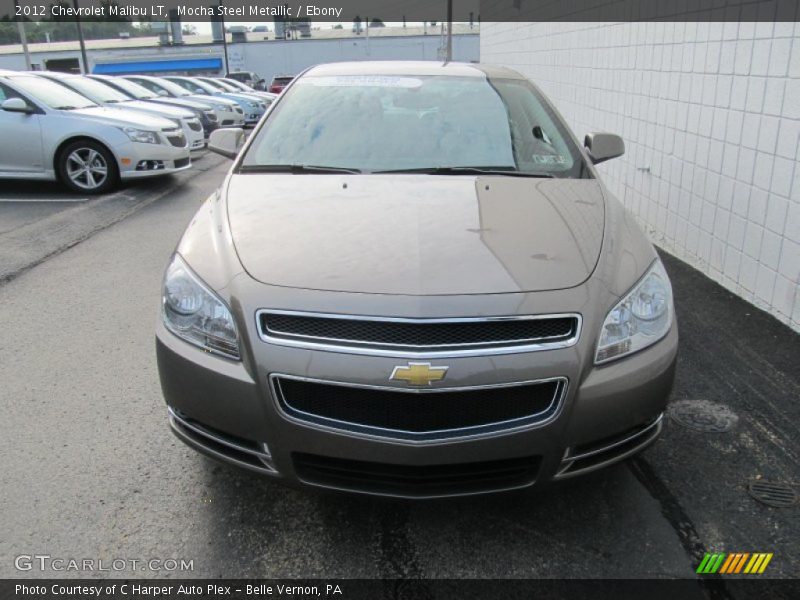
[(401, 336)]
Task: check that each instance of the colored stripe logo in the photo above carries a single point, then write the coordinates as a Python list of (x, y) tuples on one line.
[(734, 563)]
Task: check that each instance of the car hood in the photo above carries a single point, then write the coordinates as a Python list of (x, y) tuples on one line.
[(209, 99), (121, 117), (416, 234), (171, 112)]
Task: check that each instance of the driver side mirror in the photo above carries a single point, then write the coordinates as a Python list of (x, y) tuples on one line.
[(17, 105), (603, 146), (226, 142), (162, 93)]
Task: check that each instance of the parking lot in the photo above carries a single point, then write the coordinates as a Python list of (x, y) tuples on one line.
[(90, 468)]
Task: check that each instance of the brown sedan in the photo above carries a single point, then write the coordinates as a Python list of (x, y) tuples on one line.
[(413, 283)]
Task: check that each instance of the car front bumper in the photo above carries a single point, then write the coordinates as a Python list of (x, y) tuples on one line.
[(608, 412), (147, 160)]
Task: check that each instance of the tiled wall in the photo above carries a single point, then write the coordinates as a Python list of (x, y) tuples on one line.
[(710, 114)]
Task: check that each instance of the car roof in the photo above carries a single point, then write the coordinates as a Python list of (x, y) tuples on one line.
[(418, 67)]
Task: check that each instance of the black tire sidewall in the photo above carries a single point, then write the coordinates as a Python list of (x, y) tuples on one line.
[(113, 169)]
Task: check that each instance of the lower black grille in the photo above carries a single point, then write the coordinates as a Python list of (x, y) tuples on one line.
[(418, 414), (416, 481), (415, 334), (182, 162), (179, 140)]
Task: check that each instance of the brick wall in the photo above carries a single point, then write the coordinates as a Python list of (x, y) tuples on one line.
[(710, 114)]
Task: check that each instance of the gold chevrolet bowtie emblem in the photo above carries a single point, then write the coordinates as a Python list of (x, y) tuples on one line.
[(419, 373)]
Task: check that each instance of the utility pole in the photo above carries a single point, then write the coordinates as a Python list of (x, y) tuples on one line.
[(449, 53), (85, 65), (225, 43), (367, 22), (23, 39)]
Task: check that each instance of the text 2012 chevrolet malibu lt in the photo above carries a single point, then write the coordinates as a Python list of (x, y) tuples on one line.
[(413, 283)]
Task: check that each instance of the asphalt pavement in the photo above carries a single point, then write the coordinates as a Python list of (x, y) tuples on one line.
[(91, 470)]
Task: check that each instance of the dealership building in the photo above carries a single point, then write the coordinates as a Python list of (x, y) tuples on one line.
[(710, 114)]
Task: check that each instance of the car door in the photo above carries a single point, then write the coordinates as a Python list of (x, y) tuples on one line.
[(21, 150)]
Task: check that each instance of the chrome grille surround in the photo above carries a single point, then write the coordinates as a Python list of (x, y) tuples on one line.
[(368, 347), (531, 421)]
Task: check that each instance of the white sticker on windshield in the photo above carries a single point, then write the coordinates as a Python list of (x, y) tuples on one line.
[(363, 80)]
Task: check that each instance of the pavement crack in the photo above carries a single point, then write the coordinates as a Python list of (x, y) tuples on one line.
[(713, 586)]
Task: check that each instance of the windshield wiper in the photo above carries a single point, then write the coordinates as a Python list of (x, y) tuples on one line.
[(499, 170), (297, 169)]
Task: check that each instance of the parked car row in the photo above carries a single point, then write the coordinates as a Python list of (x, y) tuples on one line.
[(91, 131)]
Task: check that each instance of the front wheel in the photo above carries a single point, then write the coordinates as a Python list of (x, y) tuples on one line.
[(87, 167)]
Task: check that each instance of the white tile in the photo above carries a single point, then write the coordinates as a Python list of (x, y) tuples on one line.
[(762, 175), (782, 176), (761, 57), (773, 96), (777, 209), (757, 212), (748, 268), (765, 284), (752, 240), (789, 265), (791, 98), (770, 250), (768, 134), (788, 138), (783, 297), (756, 87)]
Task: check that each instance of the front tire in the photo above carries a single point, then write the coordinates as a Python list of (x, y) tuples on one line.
[(87, 167)]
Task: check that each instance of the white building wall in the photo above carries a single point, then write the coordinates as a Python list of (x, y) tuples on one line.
[(276, 57), (710, 114)]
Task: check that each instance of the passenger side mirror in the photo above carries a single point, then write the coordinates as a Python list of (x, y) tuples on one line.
[(226, 142), (603, 146), (17, 105), (162, 93)]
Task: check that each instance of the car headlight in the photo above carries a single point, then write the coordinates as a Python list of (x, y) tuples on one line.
[(640, 319), (141, 136), (195, 314)]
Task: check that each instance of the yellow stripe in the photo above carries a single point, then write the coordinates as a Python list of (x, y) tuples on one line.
[(753, 564), (727, 563), (765, 563), (741, 562)]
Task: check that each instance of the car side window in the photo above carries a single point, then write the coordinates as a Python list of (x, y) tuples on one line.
[(6, 93)]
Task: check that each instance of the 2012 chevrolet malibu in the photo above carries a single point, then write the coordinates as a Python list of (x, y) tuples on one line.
[(413, 283)]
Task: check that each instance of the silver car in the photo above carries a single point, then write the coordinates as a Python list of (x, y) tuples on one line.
[(60, 134), (228, 112), (412, 282), (105, 95)]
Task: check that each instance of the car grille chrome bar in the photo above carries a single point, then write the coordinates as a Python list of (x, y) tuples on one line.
[(415, 337), (419, 414)]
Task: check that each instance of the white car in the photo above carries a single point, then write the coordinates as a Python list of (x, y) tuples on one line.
[(104, 95), (229, 114), (60, 135)]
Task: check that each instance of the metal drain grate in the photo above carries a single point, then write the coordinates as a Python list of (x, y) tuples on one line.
[(703, 415), (778, 495)]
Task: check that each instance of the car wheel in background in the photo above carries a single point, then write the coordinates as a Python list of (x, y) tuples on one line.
[(87, 167)]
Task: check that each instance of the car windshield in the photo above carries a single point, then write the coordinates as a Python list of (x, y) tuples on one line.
[(134, 89), (191, 84), (416, 123), (238, 85), (219, 85), (164, 84), (49, 93), (94, 90)]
